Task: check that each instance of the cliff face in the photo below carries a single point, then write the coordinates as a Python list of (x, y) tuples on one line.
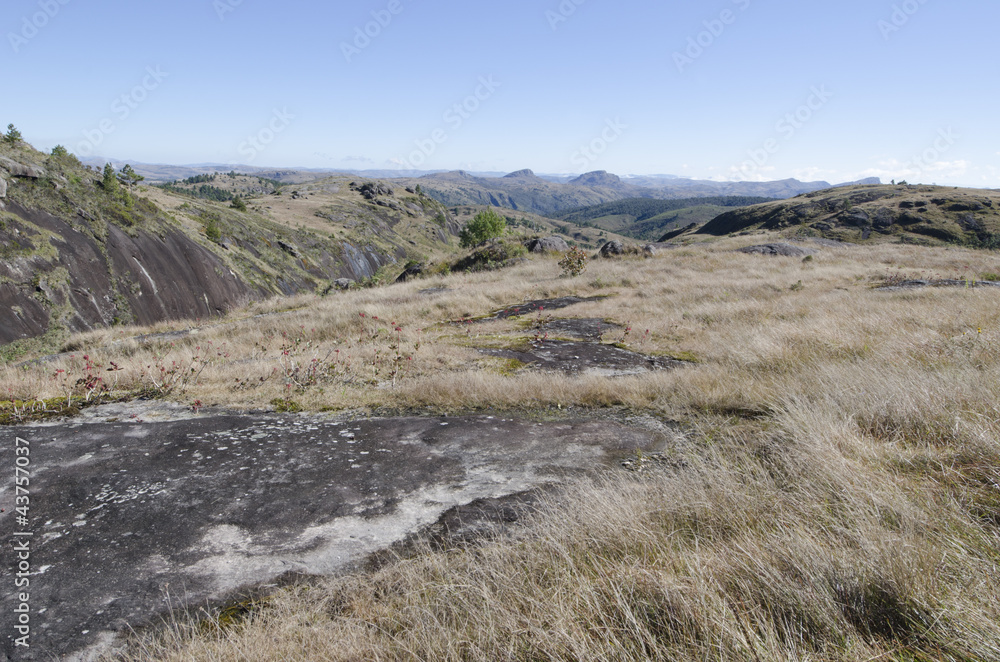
[(52, 276)]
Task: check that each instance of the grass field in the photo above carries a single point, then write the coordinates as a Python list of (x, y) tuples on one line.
[(837, 496)]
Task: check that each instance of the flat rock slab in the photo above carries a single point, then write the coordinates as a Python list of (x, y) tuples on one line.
[(586, 358), (127, 519), (541, 305), (782, 249), (917, 284), (587, 328)]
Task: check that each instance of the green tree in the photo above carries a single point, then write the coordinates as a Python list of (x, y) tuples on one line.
[(486, 225), (129, 177), (212, 231), (60, 152), (13, 136), (238, 204), (110, 182)]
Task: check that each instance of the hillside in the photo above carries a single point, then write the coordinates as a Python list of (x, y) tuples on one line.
[(858, 213), (525, 191), (816, 481), (77, 253), (647, 218)]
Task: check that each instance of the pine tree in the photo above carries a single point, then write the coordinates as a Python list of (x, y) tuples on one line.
[(129, 177), (13, 136), (110, 182)]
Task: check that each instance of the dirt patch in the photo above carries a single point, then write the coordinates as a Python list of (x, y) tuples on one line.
[(124, 512), (585, 358)]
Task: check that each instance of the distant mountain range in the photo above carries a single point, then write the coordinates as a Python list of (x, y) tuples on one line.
[(522, 190)]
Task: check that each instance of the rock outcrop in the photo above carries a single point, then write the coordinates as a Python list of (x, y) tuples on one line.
[(56, 275), (781, 249), (613, 248), (548, 245)]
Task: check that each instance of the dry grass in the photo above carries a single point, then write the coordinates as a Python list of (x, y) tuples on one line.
[(839, 498)]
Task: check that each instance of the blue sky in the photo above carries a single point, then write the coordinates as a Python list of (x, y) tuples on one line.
[(727, 89)]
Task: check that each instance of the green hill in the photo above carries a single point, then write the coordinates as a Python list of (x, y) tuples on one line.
[(922, 214), (647, 218)]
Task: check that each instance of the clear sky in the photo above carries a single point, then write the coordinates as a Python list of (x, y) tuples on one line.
[(726, 89)]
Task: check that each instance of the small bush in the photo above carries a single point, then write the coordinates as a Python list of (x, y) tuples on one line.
[(490, 257), (212, 231), (574, 262)]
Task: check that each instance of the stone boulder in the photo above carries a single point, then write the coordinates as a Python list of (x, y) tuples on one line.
[(612, 249), (3, 187), (782, 249), (411, 271), (343, 283), (650, 250), (20, 169), (548, 245), (372, 190)]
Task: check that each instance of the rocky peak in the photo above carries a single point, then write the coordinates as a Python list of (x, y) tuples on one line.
[(521, 174), (598, 178)]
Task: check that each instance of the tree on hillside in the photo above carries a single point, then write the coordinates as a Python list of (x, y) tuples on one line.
[(129, 177), (238, 204), (60, 152), (13, 136), (110, 182), (484, 226)]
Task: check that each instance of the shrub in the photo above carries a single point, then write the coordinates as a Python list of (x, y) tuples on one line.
[(574, 262), (493, 255), (212, 231), (238, 204)]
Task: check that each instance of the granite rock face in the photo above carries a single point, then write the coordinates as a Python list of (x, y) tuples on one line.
[(56, 274), (202, 506)]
